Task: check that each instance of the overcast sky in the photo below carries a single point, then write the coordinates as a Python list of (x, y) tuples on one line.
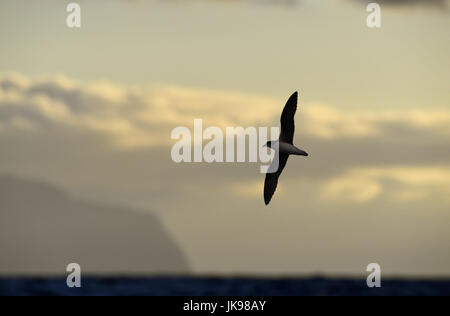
[(91, 111)]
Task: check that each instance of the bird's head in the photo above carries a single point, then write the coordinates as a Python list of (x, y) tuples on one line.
[(269, 143)]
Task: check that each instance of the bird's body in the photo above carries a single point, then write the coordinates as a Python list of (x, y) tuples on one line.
[(284, 146), (288, 149)]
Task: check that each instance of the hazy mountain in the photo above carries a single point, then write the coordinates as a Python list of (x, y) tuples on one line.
[(43, 229)]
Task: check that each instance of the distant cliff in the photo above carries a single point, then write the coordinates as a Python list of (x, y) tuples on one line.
[(43, 229)]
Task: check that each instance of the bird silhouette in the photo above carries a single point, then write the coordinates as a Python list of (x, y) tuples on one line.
[(283, 146)]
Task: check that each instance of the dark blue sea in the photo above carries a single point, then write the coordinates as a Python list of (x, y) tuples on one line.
[(187, 286)]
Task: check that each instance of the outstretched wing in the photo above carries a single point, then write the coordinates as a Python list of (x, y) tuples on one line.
[(287, 119), (271, 182)]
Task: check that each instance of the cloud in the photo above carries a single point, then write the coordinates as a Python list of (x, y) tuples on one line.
[(228, 2), (128, 117), (355, 156), (144, 116), (440, 4), (328, 123), (352, 189), (410, 183), (366, 170)]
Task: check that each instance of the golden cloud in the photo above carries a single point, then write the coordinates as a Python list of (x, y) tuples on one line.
[(365, 184), (144, 116)]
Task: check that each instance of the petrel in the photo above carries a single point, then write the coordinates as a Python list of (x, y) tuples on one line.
[(285, 147)]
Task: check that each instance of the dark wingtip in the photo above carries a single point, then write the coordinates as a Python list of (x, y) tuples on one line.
[(293, 98)]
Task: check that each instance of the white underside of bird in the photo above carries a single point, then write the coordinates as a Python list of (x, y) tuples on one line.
[(289, 149)]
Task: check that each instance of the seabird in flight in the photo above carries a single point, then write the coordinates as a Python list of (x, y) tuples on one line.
[(285, 147)]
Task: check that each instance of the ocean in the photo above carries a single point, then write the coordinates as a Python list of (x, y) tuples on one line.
[(210, 286)]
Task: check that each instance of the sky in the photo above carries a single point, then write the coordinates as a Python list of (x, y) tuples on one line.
[(91, 110)]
